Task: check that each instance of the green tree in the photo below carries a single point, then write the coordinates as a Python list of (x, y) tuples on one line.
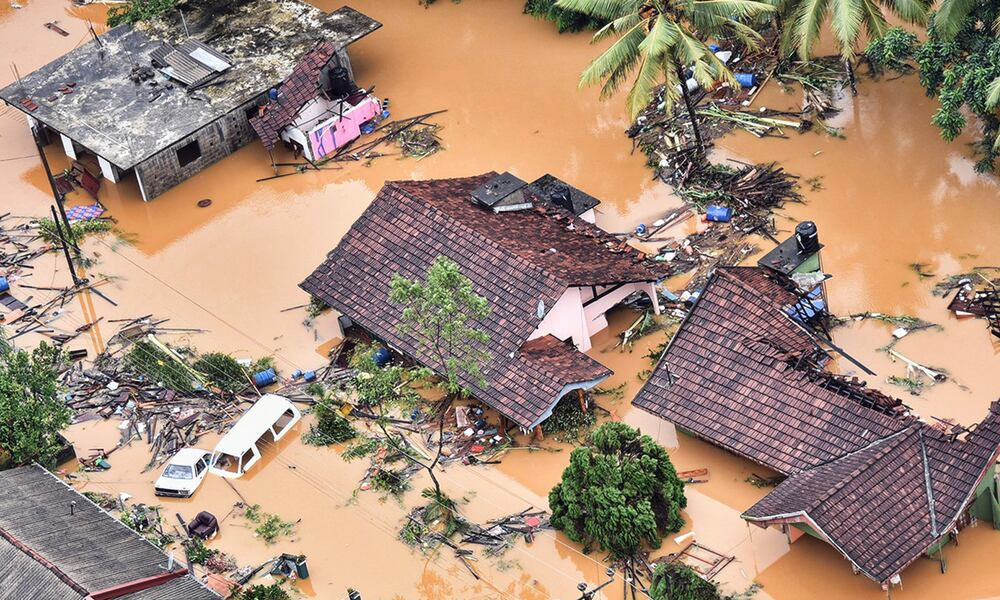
[(659, 40), (677, 581), (960, 65), (441, 315), (31, 411), (619, 493)]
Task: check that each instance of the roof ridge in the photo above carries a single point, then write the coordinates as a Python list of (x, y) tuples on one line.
[(517, 257), (928, 487), (861, 468)]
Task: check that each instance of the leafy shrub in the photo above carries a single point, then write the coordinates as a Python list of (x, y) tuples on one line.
[(222, 371), (138, 10), (330, 427), (892, 51), (262, 592), (145, 358), (619, 492)]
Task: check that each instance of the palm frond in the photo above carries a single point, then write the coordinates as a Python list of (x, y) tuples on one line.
[(950, 16), (607, 10), (913, 11), (807, 22), (613, 65), (846, 24), (616, 27), (875, 21), (993, 93)]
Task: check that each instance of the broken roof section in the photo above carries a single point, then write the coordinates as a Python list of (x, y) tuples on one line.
[(297, 89), (878, 484), (726, 376), (521, 262), (64, 547), (887, 503), (125, 118)]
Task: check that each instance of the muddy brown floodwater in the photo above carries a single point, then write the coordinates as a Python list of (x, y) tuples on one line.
[(893, 194)]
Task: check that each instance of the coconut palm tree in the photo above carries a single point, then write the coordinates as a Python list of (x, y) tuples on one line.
[(804, 19), (659, 40)]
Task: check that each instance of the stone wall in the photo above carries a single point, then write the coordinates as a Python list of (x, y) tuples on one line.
[(216, 141)]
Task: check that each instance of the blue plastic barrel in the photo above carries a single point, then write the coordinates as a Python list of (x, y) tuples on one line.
[(641, 229), (309, 376), (382, 357), (718, 214), (714, 47), (4, 285), (264, 378), (296, 373), (747, 80)]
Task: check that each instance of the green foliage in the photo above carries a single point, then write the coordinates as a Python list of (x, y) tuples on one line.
[(657, 40), (330, 427), (316, 307), (138, 10), (963, 70), (222, 371), (269, 527), (618, 493), (376, 385), (197, 551), (893, 50), (677, 581), (568, 421), (77, 231), (441, 315), (31, 410), (565, 20), (361, 449), (390, 481), (146, 358), (262, 592), (849, 20)]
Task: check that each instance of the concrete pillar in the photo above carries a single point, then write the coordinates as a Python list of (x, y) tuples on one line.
[(583, 399), (142, 188), (109, 171), (654, 297), (68, 146), (538, 435)]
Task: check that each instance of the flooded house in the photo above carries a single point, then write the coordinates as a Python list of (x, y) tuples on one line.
[(165, 99), (861, 471), (55, 544), (548, 275)]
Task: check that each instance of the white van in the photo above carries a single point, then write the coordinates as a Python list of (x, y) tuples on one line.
[(268, 420)]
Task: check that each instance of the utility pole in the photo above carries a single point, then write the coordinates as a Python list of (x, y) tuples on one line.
[(589, 595), (65, 247), (52, 183)]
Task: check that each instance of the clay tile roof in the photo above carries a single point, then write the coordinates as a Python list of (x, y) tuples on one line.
[(563, 362), (725, 377), (507, 256), (297, 89), (884, 505)]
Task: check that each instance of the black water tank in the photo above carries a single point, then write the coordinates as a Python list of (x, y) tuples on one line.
[(806, 237), (559, 195), (340, 82)]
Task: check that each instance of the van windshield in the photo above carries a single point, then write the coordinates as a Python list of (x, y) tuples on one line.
[(178, 472)]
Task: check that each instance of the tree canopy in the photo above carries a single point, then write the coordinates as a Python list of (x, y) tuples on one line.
[(619, 492), (31, 410), (960, 65), (659, 39), (677, 581), (441, 315)]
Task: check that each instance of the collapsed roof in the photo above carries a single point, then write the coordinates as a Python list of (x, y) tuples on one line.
[(877, 483), (136, 90), (521, 262), (60, 546)]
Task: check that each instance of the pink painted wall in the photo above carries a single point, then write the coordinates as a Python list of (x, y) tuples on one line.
[(336, 132), (569, 318)]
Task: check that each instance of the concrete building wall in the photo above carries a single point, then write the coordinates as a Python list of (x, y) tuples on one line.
[(216, 141)]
